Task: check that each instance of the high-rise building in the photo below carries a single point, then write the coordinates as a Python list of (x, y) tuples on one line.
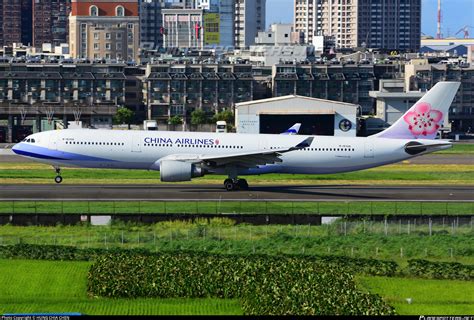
[(183, 28), (305, 20), (1, 23), (211, 5), (104, 29), (15, 22), (387, 24), (151, 23), (249, 20), (50, 22), (218, 21)]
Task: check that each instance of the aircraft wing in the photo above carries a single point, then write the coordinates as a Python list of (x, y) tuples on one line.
[(245, 159)]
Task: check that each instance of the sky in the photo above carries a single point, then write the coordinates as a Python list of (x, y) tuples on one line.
[(456, 14)]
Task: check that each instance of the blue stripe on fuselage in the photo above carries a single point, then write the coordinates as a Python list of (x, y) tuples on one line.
[(35, 155), (29, 150)]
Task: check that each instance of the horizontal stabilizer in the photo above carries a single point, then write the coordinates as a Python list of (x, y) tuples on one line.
[(416, 147)]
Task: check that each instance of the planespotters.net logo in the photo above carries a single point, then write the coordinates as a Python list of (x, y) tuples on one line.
[(446, 318), (41, 316)]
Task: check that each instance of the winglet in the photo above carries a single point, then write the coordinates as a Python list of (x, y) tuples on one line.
[(304, 144)]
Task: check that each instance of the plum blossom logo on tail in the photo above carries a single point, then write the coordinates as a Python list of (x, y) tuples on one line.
[(423, 120)]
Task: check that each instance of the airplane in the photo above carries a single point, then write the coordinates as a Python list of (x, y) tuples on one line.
[(293, 130), (182, 156)]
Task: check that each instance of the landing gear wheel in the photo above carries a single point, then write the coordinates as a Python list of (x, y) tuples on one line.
[(58, 178), (243, 185), (229, 185)]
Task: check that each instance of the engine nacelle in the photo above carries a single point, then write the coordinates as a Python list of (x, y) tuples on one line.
[(176, 171)]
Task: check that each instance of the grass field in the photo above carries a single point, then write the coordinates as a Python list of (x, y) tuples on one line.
[(29, 286), (459, 148), (222, 237), (241, 207), (398, 174), (435, 297)]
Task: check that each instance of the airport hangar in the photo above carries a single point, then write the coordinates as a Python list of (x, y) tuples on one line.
[(317, 116)]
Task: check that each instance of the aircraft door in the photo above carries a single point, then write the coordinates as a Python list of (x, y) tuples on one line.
[(262, 143), (136, 143), (53, 141), (369, 149)]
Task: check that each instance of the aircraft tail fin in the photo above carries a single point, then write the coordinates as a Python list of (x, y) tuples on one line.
[(293, 130), (425, 118)]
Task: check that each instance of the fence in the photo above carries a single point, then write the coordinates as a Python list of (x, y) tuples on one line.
[(327, 208), (406, 239)]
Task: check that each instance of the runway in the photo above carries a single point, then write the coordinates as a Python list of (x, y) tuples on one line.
[(217, 193)]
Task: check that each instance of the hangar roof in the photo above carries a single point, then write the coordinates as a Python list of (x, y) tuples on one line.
[(291, 97)]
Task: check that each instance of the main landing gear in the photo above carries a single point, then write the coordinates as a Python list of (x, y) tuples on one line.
[(236, 184), (58, 178)]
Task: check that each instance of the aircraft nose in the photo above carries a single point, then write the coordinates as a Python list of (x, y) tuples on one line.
[(16, 148)]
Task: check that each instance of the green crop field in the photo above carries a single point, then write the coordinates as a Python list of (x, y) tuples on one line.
[(440, 297), (357, 239), (340, 208), (29, 286), (397, 174)]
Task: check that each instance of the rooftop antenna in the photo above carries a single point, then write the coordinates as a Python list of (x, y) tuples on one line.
[(438, 33)]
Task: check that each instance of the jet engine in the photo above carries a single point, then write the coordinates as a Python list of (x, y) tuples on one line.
[(176, 171)]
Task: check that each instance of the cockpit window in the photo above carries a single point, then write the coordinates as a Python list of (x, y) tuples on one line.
[(33, 141)]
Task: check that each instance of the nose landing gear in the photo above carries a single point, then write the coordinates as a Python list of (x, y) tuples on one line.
[(58, 178)]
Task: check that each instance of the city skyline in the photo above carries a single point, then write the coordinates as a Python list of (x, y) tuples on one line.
[(282, 11)]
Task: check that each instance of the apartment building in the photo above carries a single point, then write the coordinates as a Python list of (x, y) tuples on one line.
[(183, 28), (15, 22), (104, 29), (422, 76), (385, 24), (50, 22), (33, 93), (151, 23), (177, 89), (249, 20), (344, 83)]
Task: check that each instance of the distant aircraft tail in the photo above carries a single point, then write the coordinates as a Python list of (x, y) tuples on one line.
[(293, 130), (426, 117)]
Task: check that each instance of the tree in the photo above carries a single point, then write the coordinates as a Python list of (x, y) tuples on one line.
[(124, 116), (198, 116), (225, 115), (175, 120)]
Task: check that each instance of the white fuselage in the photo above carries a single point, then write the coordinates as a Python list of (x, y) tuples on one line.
[(142, 150)]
